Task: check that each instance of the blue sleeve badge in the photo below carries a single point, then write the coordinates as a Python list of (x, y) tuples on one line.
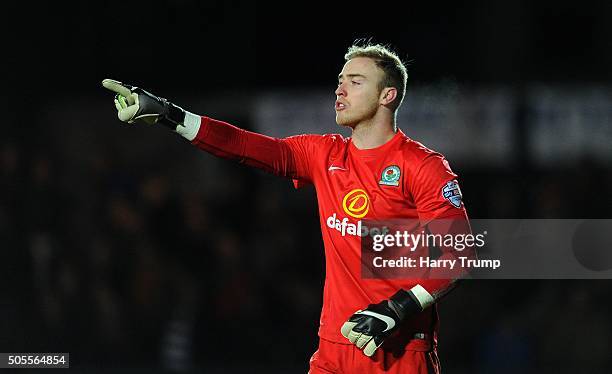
[(452, 193)]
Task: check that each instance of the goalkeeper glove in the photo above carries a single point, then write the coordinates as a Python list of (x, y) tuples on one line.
[(137, 105), (369, 328)]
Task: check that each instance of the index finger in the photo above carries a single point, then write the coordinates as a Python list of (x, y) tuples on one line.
[(116, 87)]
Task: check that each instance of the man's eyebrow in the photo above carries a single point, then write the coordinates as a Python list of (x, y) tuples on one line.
[(351, 76)]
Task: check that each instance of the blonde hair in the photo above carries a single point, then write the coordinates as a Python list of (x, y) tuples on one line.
[(395, 74)]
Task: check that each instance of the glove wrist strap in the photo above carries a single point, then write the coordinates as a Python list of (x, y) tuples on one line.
[(172, 116), (404, 304)]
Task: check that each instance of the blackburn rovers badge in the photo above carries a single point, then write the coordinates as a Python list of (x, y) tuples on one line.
[(390, 176)]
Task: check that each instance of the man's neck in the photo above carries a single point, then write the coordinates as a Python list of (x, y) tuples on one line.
[(373, 132)]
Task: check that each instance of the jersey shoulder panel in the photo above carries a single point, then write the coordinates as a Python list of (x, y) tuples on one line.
[(330, 147), (313, 142), (415, 153), (309, 152), (335, 139), (431, 183)]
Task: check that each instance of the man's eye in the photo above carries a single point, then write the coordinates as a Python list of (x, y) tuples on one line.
[(357, 83)]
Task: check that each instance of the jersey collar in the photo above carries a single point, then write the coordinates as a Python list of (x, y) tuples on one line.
[(373, 152)]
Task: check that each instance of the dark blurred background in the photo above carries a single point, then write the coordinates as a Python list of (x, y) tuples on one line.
[(134, 251)]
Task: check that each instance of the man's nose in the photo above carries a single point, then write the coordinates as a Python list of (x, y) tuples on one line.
[(340, 90)]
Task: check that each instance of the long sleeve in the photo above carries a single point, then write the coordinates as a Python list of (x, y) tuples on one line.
[(224, 140), (440, 207), (439, 281)]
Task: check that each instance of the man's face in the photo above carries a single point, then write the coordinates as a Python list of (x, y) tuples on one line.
[(357, 95)]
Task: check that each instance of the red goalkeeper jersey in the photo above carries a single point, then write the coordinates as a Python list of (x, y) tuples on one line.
[(402, 179)]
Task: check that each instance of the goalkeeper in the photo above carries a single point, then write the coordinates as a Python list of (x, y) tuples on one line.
[(366, 325)]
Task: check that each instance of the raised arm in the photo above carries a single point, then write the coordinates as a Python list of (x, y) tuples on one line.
[(224, 140), (277, 156)]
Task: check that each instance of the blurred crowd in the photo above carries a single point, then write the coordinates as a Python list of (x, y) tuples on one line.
[(118, 268), (122, 268)]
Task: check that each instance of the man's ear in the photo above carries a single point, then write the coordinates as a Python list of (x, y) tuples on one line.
[(387, 95)]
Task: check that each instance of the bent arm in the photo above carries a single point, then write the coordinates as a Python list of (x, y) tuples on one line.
[(441, 211), (438, 282), (433, 283)]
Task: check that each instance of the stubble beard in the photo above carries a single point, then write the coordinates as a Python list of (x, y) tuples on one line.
[(347, 120)]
